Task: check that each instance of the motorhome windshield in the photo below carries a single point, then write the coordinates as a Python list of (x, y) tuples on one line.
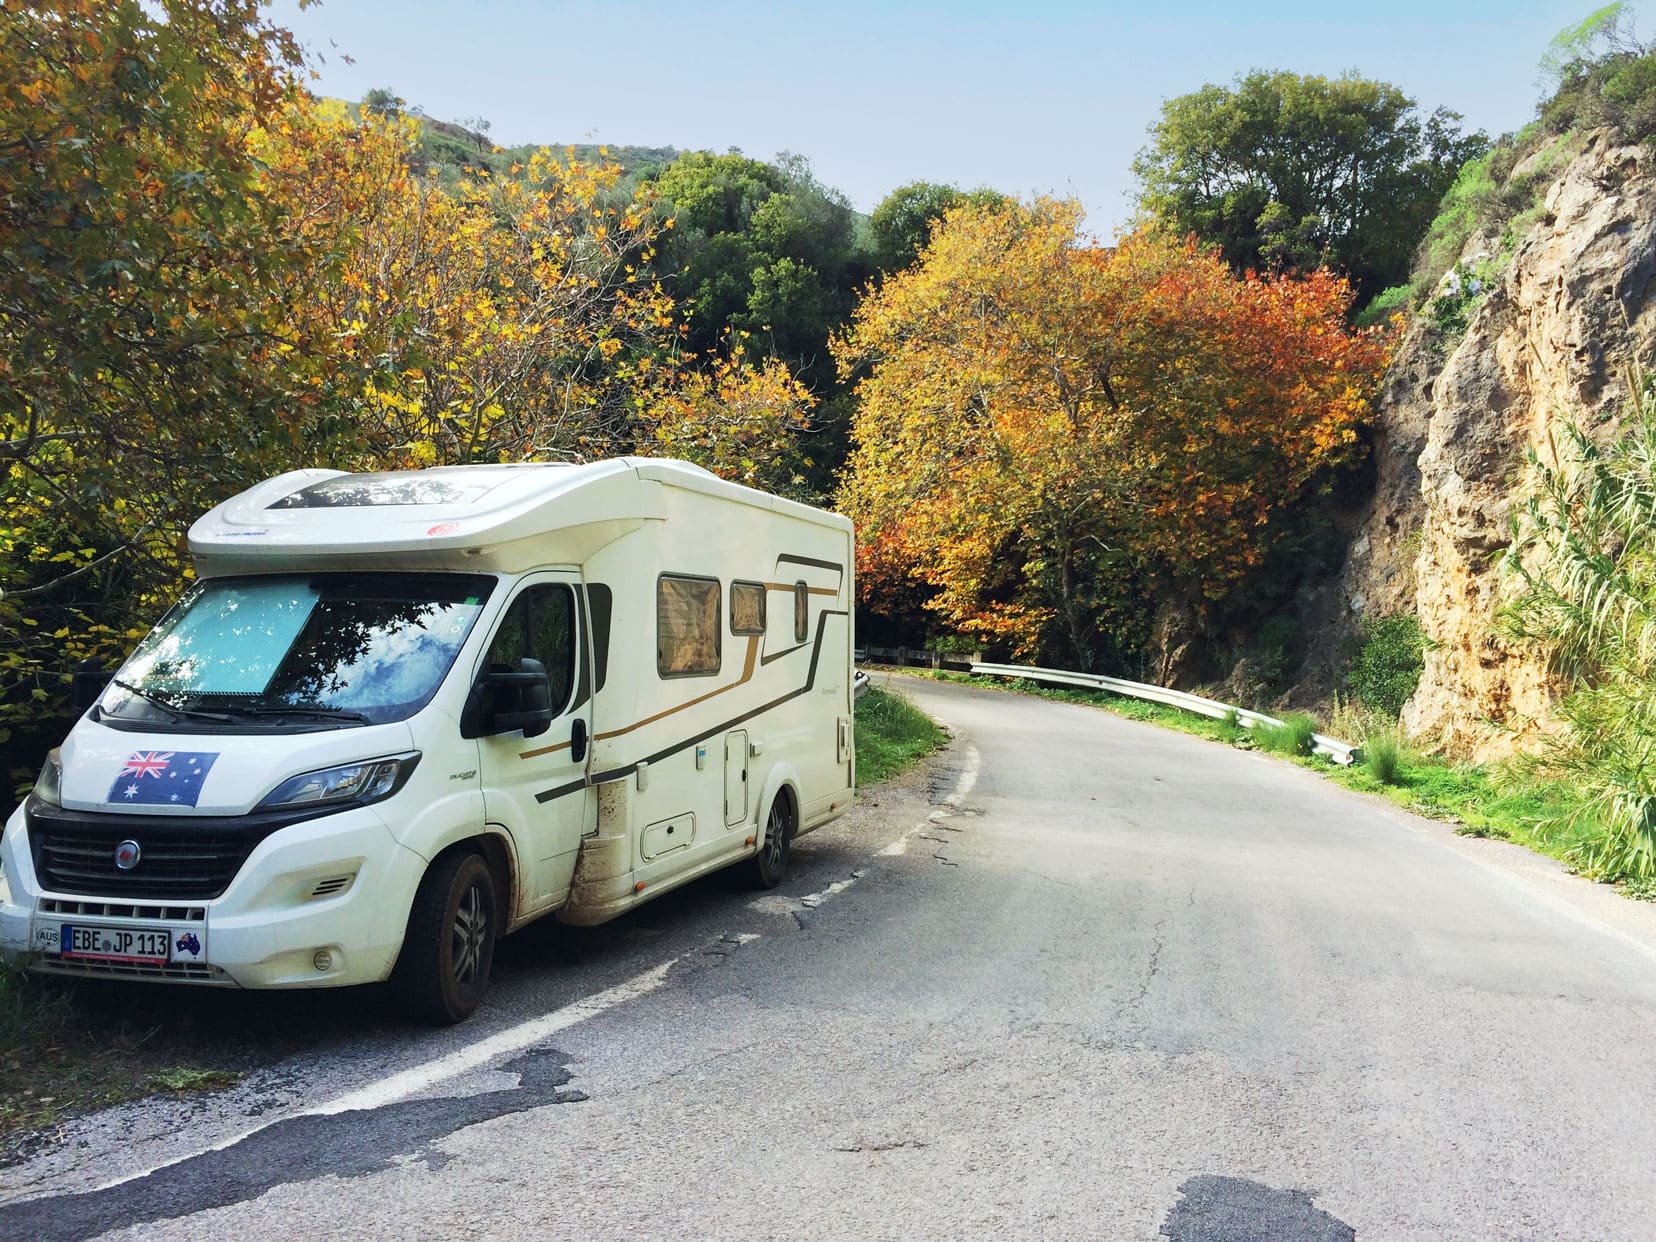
[(324, 648)]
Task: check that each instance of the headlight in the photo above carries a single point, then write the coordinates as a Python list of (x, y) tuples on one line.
[(352, 782), (48, 785)]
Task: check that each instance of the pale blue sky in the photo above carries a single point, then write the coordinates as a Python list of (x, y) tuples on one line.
[(1046, 96)]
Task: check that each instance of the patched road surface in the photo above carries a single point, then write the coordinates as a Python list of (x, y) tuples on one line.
[(1079, 978)]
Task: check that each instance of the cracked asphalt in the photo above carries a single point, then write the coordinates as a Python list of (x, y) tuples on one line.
[(1076, 978)]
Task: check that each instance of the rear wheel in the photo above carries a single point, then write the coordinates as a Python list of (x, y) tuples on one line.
[(771, 862), (443, 969)]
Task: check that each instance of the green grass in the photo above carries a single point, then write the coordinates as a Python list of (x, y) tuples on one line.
[(59, 1055), (892, 734), (1294, 736), (184, 1078), (1383, 755)]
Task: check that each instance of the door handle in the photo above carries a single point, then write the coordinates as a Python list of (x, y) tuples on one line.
[(578, 740)]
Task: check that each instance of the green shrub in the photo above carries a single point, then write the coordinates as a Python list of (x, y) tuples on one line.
[(1585, 562), (1270, 658), (1301, 732), (1386, 303), (1465, 209), (1389, 663), (1383, 755), (1294, 736)]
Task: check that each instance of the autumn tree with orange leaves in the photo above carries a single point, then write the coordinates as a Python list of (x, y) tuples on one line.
[(1049, 431)]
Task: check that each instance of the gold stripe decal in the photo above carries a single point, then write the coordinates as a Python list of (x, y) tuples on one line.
[(747, 675)]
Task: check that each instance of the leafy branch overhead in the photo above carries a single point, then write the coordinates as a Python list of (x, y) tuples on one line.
[(207, 276)]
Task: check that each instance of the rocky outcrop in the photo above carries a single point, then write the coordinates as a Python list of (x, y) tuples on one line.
[(1557, 335)]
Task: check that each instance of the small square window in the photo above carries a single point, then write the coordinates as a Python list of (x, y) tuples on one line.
[(747, 607)]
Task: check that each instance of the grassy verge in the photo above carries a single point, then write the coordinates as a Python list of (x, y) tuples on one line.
[(1479, 801), (891, 734), (61, 1055)]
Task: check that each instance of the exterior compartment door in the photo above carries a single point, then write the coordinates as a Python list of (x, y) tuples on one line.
[(736, 777)]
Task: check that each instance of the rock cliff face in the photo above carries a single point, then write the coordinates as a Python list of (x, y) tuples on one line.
[(1557, 335)]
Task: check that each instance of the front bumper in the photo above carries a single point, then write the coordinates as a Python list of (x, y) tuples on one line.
[(322, 903)]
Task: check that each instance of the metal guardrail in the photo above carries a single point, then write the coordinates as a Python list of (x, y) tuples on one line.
[(1339, 752)]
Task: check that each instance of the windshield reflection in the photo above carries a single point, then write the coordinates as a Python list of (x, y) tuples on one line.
[(364, 647)]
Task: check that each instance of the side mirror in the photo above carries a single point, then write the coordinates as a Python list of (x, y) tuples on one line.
[(87, 684), (504, 702)]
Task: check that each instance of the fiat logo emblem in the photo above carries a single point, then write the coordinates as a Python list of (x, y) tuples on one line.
[(127, 854)]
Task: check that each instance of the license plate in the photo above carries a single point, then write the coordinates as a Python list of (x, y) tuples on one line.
[(152, 945)]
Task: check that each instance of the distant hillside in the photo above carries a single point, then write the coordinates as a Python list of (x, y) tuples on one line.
[(450, 148)]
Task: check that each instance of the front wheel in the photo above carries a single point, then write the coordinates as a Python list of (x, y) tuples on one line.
[(771, 862), (444, 966)]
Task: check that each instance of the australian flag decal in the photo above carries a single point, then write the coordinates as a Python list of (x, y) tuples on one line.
[(162, 777)]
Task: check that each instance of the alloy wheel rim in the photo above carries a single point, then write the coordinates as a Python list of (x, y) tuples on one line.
[(775, 834), (471, 925)]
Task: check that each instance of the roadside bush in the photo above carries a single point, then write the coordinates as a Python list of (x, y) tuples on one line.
[(1389, 663), (1230, 726), (1383, 755), (1294, 736)]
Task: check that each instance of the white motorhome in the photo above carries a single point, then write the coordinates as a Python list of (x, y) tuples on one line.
[(400, 714)]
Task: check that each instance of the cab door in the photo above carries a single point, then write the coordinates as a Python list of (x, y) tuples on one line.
[(535, 786)]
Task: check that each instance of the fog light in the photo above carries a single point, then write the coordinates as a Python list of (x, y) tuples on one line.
[(323, 960)]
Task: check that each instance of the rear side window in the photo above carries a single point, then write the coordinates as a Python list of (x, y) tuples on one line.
[(802, 612), (747, 607), (687, 626)]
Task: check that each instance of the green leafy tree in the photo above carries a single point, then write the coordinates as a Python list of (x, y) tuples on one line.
[(384, 102), (1603, 34), (1289, 172), (760, 254), (904, 220), (765, 262)]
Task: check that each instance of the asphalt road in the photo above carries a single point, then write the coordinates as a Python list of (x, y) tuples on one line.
[(1079, 978)]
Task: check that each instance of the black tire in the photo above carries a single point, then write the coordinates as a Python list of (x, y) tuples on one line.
[(443, 969), (770, 864)]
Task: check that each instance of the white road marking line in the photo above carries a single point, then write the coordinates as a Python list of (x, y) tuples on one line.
[(411, 1082), (812, 900), (964, 784)]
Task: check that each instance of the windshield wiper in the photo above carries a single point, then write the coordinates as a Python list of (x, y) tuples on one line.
[(313, 713), (177, 713)]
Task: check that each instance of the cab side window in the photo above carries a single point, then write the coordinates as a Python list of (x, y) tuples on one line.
[(540, 625)]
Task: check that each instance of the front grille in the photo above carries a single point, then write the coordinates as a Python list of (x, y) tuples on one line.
[(181, 858), (175, 864)]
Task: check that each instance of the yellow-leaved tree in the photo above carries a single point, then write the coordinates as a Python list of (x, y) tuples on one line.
[(1048, 430)]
